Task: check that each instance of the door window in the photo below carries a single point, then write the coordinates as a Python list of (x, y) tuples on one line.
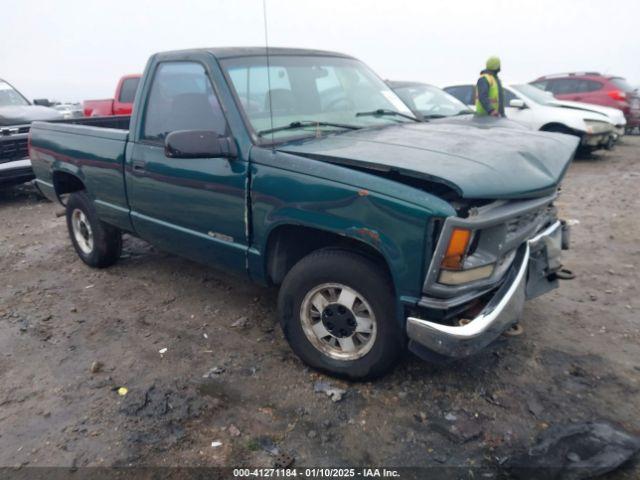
[(563, 86), (590, 86), (181, 98)]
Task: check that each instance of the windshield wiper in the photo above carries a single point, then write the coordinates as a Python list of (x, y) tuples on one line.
[(381, 112), (307, 123)]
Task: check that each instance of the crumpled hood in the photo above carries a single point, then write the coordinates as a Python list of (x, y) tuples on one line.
[(21, 115), (479, 157), (613, 114)]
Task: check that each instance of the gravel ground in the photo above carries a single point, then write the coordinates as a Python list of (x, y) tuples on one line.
[(71, 336)]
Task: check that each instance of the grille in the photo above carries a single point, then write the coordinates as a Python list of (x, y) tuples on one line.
[(13, 149), (14, 130), (526, 220)]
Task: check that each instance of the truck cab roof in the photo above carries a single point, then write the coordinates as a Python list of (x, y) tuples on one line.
[(234, 52)]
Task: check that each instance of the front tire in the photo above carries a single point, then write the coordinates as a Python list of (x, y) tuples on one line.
[(97, 244), (337, 310)]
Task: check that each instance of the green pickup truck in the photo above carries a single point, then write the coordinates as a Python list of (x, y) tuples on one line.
[(302, 169)]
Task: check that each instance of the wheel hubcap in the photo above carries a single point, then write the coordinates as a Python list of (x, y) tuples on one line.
[(338, 321), (82, 231)]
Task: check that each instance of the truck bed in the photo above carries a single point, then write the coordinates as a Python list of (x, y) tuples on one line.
[(13, 140), (115, 127), (15, 166), (89, 149)]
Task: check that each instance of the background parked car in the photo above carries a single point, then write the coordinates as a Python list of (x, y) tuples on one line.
[(428, 101), (120, 104), (70, 110), (535, 109), (16, 113), (593, 87), (15, 109)]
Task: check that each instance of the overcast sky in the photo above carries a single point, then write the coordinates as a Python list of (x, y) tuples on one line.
[(77, 49)]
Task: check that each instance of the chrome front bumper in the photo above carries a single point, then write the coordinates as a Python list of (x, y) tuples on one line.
[(502, 311), (16, 171)]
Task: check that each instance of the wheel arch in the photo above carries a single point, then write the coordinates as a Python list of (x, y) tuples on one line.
[(288, 243), (65, 182), (559, 127)]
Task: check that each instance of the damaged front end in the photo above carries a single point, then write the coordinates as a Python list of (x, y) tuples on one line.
[(486, 263)]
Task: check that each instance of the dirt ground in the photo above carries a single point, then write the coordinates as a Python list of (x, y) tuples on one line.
[(228, 376)]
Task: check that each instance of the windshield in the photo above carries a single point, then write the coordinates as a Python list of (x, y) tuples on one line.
[(431, 101), (330, 90), (534, 94), (9, 96)]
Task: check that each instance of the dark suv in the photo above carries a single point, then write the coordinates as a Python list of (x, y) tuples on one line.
[(593, 87)]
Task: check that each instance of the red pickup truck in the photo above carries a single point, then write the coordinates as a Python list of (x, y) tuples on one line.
[(120, 104)]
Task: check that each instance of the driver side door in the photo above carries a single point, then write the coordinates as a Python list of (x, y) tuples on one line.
[(194, 207)]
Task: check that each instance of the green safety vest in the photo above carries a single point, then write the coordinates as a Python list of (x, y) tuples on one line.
[(494, 95)]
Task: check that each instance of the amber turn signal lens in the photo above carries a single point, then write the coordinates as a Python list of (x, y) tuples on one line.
[(458, 244)]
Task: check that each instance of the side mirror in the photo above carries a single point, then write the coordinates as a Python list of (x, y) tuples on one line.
[(517, 103), (199, 144), (43, 102)]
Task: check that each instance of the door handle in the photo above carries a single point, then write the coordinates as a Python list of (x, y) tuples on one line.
[(139, 165)]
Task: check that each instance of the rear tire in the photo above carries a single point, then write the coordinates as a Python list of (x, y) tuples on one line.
[(337, 310), (97, 244)]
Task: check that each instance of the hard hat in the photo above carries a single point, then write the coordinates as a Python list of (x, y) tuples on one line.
[(493, 63)]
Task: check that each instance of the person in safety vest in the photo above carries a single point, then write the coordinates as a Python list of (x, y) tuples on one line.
[(489, 93)]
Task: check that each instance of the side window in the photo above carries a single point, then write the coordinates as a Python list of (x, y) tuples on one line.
[(542, 85), (181, 98), (128, 90), (565, 85), (592, 86), (551, 86), (464, 93)]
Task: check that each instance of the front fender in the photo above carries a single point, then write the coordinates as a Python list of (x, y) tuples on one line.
[(316, 194)]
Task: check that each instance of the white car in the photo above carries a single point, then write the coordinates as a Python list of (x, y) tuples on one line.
[(70, 110), (615, 115), (538, 110)]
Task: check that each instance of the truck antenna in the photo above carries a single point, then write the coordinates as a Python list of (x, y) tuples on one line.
[(266, 44)]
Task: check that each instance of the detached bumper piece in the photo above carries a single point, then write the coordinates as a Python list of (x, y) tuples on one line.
[(530, 274)]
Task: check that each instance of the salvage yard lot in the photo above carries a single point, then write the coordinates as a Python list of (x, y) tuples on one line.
[(71, 336)]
